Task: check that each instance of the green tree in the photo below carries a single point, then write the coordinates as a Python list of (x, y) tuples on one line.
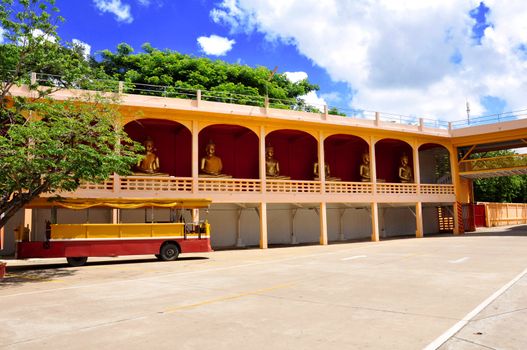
[(222, 81), (499, 189), (48, 145)]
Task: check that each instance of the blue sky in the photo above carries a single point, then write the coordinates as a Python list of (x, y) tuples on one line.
[(415, 57), (177, 26)]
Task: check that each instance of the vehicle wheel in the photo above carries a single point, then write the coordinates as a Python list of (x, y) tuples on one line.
[(169, 252), (158, 256), (77, 261)]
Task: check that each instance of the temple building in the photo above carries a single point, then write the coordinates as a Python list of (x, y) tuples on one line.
[(278, 176)]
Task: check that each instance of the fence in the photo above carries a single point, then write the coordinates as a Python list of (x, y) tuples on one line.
[(503, 214)]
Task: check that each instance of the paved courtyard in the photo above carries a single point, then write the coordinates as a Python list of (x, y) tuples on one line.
[(399, 294)]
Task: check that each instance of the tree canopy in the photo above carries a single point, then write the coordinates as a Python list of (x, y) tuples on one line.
[(48, 145), (221, 80)]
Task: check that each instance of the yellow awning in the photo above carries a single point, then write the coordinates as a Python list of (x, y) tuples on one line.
[(120, 203)]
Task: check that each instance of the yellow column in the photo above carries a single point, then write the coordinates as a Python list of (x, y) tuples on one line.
[(263, 225), (373, 169), (321, 163), (454, 170), (323, 222), (28, 222), (419, 220), (115, 216), (262, 159), (417, 171), (375, 222), (195, 156)]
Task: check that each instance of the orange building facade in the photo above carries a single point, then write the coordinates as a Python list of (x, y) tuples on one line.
[(302, 205)]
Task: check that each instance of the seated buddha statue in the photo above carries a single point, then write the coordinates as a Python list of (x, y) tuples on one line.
[(327, 175), (364, 169), (272, 167), (149, 164), (211, 165), (405, 172)]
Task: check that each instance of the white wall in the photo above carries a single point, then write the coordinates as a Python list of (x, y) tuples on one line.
[(430, 222), (397, 221), (356, 223)]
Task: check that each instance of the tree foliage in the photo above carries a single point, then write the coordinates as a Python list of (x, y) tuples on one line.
[(222, 81), (511, 189), (48, 145)]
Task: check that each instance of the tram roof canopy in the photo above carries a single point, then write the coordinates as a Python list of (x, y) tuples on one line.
[(119, 203)]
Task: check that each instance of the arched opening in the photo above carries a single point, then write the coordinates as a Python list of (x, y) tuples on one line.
[(236, 146), (295, 151), (172, 143), (388, 159), (434, 164), (343, 154)]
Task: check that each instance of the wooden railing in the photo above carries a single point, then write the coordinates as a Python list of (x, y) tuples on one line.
[(185, 184), (229, 185), (103, 186), (155, 183), (436, 189), (293, 186), (349, 187), (395, 188)]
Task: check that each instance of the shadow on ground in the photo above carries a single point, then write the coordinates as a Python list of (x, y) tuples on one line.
[(33, 273), (17, 275)]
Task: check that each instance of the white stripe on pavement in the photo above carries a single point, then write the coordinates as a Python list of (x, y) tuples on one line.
[(354, 257), (458, 260)]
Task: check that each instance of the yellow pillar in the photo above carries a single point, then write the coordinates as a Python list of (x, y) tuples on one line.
[(115, 216), (321, 163), (262, 159), (454, 170), (373, 168), (417, 171), (419, 220), (28, 222), (195, 156), (263, 225), (374, 222), (323, 223)]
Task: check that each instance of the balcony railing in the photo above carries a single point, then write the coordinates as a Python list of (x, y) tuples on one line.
[(155, 183), (494, 163), (293, 186), (228, 185), (177, 185), (349, 187)]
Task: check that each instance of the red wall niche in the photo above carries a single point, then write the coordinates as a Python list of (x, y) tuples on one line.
[(296, 152), (237, 147), (173, 143), (343, 154), (388, 154)]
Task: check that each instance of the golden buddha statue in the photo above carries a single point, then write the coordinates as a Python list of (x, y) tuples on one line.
[(149, 164), (211, 164), (327, 174), (272, 167), (405, 172), (364, 169)]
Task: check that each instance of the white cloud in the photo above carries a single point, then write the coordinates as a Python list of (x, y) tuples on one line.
[(399, 56), (314, 100), (37, 33), (2, 32), (215, 45), (86, 48), (121, 11), (295, 77)]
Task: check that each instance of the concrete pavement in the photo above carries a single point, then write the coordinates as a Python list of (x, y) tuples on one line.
[(397, 294)]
